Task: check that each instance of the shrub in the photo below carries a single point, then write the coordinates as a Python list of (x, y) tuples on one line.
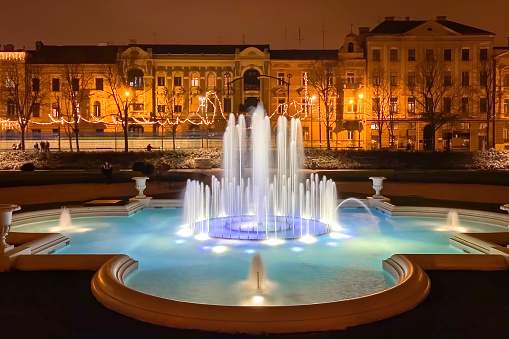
[(147, 169), (138, 166), (28, 167)]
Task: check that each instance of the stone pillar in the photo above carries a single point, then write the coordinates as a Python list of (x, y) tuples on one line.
[(5, 225)]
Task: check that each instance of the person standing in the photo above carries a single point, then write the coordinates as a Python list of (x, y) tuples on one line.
[(36, 147), (149, 148), (107, 171)]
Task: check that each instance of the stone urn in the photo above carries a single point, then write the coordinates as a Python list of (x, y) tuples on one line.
[(141, 184), (5, 224), (378, 184)]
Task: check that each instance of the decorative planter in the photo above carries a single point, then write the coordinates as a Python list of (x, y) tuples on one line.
[(5, 224), (141, 184), (378, 184)]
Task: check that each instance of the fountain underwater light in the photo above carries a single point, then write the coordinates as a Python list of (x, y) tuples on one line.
[(249, 206)]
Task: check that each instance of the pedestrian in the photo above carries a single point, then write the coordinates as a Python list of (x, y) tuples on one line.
[(149, 148), (43, 146), (19, 146), (14, 146), (107, 171), (36, 147), (47, 146)]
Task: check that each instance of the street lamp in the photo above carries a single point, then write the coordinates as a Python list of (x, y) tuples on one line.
[(359, 111)]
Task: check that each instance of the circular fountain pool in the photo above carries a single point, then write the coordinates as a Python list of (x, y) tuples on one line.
[(342, 264)]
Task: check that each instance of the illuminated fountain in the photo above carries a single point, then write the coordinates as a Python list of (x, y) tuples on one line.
[(258, 198)]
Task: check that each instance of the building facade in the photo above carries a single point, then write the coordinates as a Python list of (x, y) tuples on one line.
[(367, 94)]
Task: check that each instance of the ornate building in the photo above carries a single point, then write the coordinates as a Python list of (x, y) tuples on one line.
[(368, 93)]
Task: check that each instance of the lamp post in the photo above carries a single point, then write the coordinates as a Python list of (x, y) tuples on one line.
[(124, 122), (311, 126), (359, 111)]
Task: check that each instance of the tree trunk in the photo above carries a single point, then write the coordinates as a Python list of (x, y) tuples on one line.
[(76, 133), (23, 127), (380, 132), (173, 135), (327, 130)]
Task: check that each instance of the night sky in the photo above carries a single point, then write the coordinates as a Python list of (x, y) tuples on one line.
[(225, 21)]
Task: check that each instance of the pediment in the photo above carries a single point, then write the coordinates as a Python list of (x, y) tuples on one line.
[(252, 52), (431, 28)]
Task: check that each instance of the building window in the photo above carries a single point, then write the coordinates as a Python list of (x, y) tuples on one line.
[(330, 79), (411, 54), (465, 125), (211, 105), (161, 81), (280, 106), (161, 108), (96, 109), (393, 105), (135, 78), (177, 108), (137, 107), (55, 110), (506, 107), (448, 79), (55, 84), (429, 55), (483, 105), (349, 135), (195, 80), (447, 104), (351, 47), (227, 106), (483, 78), (36, 84), (411, 105), (177, 81), (99, 84), (281, 78), (75, 84), (11, 108), (394, 54), (375, 105), (351, 106), (394, 78), (465, 54), (411, 79), (465, 78), (411, 125), (376, 77), (464, 105), (483, 54), (506, 80), (211, 80), (447, 55), (376, 55), (36, 110)]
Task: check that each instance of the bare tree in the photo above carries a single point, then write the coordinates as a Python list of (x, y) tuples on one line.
[(23, 89), (120, 89), (173, 112), (381, 92), (489, 87), (323, 78), (438, 94), (74, 91)]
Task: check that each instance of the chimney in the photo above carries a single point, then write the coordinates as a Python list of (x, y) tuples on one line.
[(441, 17), (38, 45), (363, 30), (9, 48), (407, 18), (389, 18)]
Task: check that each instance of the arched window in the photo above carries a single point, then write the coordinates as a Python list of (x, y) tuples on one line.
[(350, 47), (135, 78), (211, 80), (251, 80), (195, 80), (96, 108)]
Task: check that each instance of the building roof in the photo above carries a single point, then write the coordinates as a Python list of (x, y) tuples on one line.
[(197, 49), (73, 55), (403, 26), (301, 54)]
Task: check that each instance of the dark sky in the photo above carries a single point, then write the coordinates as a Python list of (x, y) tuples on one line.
[(203, 22)]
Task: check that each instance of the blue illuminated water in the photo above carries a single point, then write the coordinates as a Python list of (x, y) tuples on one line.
[(339, 265)]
